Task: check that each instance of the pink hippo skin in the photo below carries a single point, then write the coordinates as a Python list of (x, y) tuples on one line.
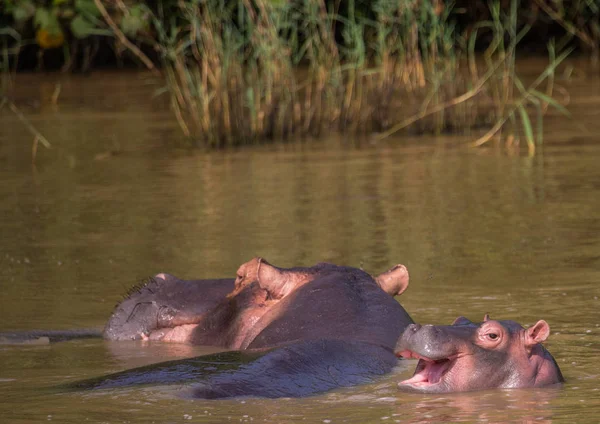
[(468, 356)]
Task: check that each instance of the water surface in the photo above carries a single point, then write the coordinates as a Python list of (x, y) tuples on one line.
[(481, 230)]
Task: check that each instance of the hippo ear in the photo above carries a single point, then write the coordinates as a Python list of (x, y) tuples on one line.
[(462, 321), (164, 276), (537, 333), (245, 275), (393, 281), (278, 282), (486, 317)]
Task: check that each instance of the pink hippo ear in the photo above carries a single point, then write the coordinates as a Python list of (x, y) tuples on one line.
[(537, 333), (394, 281), (278, 282), (486, 317), (245, 275)]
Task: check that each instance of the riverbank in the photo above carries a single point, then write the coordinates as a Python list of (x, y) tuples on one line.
[(242, 72)]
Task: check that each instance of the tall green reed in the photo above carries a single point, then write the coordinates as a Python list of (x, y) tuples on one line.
[(242, 71), (10, 45)]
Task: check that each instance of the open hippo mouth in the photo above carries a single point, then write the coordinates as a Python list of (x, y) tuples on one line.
[(428, 374)]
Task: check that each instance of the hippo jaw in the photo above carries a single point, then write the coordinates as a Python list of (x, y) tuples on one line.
[(429, 375)]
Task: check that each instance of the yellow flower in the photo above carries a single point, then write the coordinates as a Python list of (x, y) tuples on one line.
[(47, 40)]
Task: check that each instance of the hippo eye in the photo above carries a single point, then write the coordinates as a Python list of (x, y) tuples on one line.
[(492, 336)]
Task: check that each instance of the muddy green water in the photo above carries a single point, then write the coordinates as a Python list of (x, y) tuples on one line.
[(481, 231)]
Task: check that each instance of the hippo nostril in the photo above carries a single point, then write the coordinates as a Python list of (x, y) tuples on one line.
[(414, 327)]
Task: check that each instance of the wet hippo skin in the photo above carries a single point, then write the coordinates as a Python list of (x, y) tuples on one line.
[(165, 301), (266, 306)]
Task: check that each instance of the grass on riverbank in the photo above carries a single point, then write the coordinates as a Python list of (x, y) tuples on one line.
[(6, 83), (240, 74)]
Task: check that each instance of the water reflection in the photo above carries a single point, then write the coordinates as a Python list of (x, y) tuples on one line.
[(135, 354), (526, 406)]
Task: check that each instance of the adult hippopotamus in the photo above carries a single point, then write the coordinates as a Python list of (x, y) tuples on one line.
[(315, 328), (266, 306), (468, 356)]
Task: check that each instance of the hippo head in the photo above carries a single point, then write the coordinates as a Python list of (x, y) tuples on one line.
[(468, 356), (263, 290), (280, 282), (229, 312)]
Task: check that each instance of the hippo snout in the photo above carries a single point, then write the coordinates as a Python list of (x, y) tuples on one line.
[(411, 331), (429, 341), (413, 328), (418, 330)]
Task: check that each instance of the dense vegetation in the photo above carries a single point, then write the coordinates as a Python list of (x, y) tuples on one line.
[(245, 70)]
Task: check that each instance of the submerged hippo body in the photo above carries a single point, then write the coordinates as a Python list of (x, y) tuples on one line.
[(319, 327), (467, 356)]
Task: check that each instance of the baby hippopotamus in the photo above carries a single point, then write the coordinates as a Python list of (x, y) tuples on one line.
[(468, 356)]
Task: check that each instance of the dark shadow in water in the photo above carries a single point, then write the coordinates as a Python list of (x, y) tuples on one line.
[(170, 372), (41, 337)]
